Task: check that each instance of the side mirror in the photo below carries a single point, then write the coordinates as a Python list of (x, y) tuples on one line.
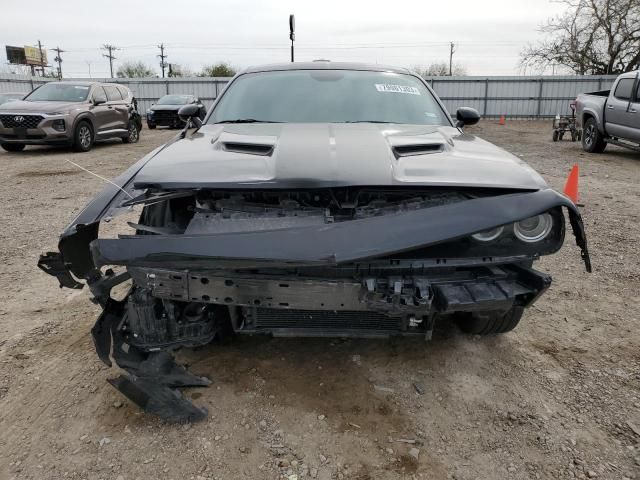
[(99, 101), (467, 116), (188, 111)]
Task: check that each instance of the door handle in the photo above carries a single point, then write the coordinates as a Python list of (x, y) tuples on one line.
[(610, 107), (632, 111), (110, 107)]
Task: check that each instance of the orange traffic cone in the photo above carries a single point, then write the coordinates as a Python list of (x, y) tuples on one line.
[(501, 122), (571, 187)]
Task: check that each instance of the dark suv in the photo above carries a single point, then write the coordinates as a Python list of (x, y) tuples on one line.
[(70, 113)]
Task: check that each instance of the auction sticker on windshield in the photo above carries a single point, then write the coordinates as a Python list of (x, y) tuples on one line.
[(389, 88)]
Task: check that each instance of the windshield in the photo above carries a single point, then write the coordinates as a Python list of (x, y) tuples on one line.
[(328, 96), (59, 92), (174, 100)]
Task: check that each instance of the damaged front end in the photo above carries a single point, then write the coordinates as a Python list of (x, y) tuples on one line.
[(297, 260)]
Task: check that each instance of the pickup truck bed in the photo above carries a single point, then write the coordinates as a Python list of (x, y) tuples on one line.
[(611, 116)]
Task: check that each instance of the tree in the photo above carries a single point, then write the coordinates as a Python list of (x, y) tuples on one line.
[(176, 70), (135, 70), (439, 69), (591, 37), (222, 69)]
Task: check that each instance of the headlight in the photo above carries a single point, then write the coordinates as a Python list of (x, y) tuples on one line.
[(533, 229), (488, 235)]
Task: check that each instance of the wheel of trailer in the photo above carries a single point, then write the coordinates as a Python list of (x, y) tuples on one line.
[(592, 140), (579, 135), (555, 136), (574, 135), (83, 137), (560, 135), (13, 147), (487, 323), (133, 134)]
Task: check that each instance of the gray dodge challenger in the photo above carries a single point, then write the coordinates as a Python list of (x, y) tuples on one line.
[(315, 199)]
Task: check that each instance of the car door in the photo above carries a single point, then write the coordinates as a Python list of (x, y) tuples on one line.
[(100, 109), (119, 108), (621, 111)]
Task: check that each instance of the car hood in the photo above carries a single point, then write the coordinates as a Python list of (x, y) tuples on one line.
[(20, 106), (164, 108), (335, 154)]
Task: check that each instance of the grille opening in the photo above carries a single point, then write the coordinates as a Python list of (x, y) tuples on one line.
[(417, 149)]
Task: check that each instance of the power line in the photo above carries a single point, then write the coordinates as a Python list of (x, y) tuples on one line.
[(58, 60), (162, 57), (110, 49)]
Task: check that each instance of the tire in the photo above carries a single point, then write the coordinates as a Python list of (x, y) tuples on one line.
[(13, 147), (489, 323), (592, 140), (560, 135), (574, 136), (133, 135), (150, 126), (83, 137), (555, 136)]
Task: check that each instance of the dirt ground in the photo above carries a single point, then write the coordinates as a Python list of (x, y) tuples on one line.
[(557, 398)]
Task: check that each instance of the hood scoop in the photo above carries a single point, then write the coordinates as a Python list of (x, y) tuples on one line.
[(248, 148), (408, 150), (261, 145)]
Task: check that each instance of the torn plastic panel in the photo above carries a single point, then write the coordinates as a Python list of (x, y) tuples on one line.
[(342, 242)]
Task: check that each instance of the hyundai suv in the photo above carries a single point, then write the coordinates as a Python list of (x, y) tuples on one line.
[(70, 113)]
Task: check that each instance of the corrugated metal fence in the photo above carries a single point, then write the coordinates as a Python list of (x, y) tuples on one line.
[(513, 96)]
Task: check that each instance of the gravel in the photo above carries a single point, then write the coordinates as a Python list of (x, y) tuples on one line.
[(558, 398)]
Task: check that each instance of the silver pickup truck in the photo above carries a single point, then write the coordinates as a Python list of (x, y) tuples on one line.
[(611, 116)]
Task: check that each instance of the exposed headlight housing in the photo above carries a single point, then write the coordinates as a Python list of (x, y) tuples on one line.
[(488, 235), (533, 229)]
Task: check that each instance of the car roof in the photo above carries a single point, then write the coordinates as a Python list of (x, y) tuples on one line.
[(325, 65), (629, 74), (91, 84)]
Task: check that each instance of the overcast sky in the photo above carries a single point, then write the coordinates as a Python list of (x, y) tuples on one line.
[(489, 34)]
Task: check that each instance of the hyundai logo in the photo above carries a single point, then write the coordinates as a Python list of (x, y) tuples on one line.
[(18, 119)]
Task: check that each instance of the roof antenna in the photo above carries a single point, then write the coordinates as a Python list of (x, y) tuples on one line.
[(292, 32), (100, 177)]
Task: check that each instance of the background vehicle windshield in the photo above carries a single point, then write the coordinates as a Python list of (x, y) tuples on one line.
[(329, 96), (59, 92), (174, 100)]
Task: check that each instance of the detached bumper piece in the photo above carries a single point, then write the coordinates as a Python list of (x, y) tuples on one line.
[(152, 379)]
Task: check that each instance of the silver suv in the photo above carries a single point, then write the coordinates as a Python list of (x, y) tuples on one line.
[(70, 113)]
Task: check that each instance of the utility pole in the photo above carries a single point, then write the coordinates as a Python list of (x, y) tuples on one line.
[(162, 57), (292, 32), (41, 58), (58, 59), (110, 49), (452, 50)]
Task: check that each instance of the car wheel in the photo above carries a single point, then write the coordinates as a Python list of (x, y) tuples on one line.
[(133, 134), (13, 147), (592, 140), (83, 137), (555, 136), (150, 126), (487, 323)]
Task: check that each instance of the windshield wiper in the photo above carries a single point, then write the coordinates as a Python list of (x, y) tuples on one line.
[(368, 121), (247, 120)]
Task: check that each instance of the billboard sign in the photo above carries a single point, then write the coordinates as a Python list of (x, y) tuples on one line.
[(32, 56), (15, 55)]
